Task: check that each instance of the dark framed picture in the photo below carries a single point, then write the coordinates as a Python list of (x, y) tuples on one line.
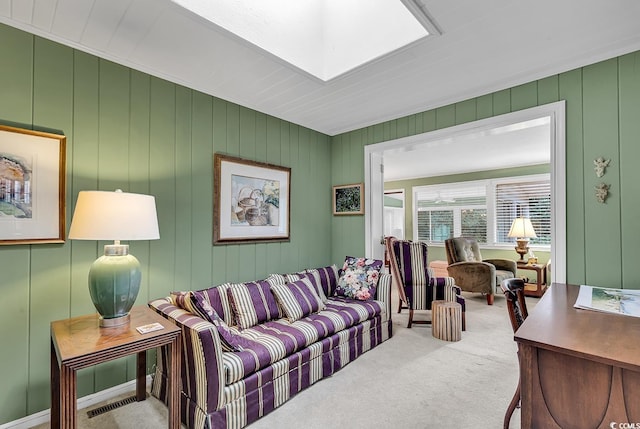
[(251, 201), (32, 186), (348, 199)]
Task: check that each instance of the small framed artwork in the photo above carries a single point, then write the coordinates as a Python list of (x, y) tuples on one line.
[(348, 199), (251, 201), (32, 186)]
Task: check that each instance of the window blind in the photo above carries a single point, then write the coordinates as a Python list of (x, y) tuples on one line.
[(527, 199), (483, 209)]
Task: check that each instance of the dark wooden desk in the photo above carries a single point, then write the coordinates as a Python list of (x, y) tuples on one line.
[(578, 368), (80, 342)]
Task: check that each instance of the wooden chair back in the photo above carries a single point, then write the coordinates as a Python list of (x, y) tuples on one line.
[(516, 305), (395, 270)]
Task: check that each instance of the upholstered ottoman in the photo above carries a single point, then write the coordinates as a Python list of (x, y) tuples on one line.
[(440, 268)]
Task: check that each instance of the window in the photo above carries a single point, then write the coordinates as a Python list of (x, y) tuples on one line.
[(444, 212), (530, 199), (483, 209)]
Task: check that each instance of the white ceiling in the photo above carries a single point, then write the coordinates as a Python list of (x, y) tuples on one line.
[(484, 46)]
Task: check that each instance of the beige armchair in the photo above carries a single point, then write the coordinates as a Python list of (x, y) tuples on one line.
[(471, 272)]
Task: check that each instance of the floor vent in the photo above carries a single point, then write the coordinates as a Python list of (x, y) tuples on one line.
[(112, 406)]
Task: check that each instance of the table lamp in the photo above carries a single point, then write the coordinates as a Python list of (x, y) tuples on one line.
[(522, 230), (114, 278)]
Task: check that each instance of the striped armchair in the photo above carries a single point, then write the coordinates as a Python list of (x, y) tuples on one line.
[(416, 283)]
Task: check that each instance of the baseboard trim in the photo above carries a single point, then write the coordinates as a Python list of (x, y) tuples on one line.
[(84, 402)]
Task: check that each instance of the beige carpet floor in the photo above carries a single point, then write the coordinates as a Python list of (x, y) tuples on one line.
[(410, 381)]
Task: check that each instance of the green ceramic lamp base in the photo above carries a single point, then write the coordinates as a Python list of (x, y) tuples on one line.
[(114, 282)]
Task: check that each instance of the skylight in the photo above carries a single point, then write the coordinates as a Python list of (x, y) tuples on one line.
[(325, 38)]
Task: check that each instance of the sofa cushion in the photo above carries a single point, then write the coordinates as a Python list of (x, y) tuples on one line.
[(317, 285), (292, 277), (275, 340), (229, 337), (327, 278), (197, 302), (278, 279), (359, 277), (217, 298), (297, 299), (253, 303), (178, 298)]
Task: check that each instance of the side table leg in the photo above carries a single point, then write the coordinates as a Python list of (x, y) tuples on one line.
[(55, 389), (141, 376), (174, 383), (68, 403)]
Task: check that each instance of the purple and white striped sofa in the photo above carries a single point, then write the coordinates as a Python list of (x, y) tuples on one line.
[(243, 355)]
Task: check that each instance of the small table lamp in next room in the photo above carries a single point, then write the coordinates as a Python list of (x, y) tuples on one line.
[(522, 230)]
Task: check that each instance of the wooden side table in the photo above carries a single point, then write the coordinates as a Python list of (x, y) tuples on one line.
[(80, 342), (535, 289)]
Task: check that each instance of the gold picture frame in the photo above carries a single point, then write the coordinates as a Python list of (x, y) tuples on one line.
[(251, 201), (348, 199), (32, 186)]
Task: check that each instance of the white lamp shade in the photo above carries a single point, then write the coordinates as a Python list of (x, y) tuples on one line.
[(104, 215), (522, 228)]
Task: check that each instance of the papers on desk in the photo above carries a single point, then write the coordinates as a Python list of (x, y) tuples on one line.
[(617, 301)]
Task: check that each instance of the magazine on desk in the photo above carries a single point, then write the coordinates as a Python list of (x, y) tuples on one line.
[(608, 300)]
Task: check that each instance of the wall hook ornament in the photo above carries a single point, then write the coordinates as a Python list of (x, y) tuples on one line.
[(602, 192), (599, 165)]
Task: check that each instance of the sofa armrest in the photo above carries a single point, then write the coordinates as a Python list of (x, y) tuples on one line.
[(202, 370), (503, 264), (383, 293), (452, 292)]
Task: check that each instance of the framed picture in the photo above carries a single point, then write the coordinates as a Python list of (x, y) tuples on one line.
[(251, 201), (348, 199), (32, 186)]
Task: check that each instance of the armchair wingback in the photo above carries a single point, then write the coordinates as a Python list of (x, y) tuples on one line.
[(415, 282), (471, 272)]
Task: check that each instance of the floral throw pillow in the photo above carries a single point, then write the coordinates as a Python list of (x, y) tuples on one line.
[(358, 278)]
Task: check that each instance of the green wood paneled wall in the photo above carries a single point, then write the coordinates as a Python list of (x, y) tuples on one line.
[(126, 129), (602, 119), (129, 130)]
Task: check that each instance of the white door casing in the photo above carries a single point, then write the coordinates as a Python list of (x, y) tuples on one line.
[(374, 205), (374, 184)]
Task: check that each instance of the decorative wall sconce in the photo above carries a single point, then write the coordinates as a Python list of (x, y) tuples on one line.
[(602, 192), (599, 165)]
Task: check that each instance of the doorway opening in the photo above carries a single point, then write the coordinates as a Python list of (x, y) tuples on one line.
[(446, 145)]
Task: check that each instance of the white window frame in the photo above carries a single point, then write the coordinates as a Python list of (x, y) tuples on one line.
[(490, 186), (443, 188)]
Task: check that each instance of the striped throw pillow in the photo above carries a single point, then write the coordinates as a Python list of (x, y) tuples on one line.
[(315, 279), (253, 303), (197, 303), (327, 278), (297, 299)]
